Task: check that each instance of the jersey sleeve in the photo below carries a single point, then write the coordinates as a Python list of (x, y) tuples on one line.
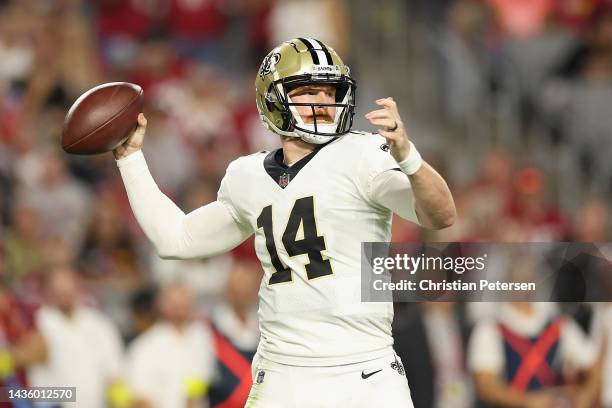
[(204, 232), (224, 195), (373, 159), (392, 190), (382, 182)]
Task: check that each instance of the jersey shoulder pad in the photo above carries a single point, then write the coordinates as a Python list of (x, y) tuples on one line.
[(247, 162), (367, 141)]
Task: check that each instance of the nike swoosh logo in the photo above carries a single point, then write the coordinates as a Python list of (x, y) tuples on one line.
[(364, 375)]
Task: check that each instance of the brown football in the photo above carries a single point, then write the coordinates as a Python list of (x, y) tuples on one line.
[(102, 118)]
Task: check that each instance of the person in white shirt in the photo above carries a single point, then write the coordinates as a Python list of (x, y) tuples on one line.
[(530, 355), (84, 348), (171, 364)]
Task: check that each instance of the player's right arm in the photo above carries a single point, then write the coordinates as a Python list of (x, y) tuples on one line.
[(210, 230)]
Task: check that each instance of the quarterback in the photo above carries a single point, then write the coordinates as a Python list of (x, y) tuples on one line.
[(310, 204)]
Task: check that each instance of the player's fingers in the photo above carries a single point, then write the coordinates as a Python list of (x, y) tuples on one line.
[(139, 132), (380, 113), (387, 103), (385, 123), (142, 120)]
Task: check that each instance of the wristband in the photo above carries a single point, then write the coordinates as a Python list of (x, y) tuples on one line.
[(412, 163)]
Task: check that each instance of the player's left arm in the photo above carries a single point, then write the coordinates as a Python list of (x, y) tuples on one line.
[(433, 201)]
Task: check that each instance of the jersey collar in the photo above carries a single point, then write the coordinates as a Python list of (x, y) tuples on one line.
[(280, 172)]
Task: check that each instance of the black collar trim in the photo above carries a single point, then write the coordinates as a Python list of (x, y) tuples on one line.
[(280, 172)]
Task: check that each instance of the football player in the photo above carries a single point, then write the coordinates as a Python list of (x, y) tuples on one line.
[(310, 204)]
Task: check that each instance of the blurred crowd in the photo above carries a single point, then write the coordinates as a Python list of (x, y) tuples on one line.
[(515, 116)]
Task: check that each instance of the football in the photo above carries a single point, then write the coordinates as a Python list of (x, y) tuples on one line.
[(102, 118)]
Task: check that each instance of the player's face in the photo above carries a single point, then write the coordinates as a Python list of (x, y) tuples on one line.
[(316, 93)]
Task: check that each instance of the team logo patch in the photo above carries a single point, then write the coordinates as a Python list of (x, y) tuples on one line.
[(397, 366), (384, 147), (284, 180), (260, 377), (268, 63)]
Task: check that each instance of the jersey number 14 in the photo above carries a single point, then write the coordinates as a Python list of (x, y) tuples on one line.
[(311, 244)]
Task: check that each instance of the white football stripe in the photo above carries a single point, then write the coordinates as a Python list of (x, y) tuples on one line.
[(317, 48)]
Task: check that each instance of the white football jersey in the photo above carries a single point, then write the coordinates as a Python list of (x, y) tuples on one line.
[(309, 222)]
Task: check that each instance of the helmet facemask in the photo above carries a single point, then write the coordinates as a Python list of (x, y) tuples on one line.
[(318, 133)]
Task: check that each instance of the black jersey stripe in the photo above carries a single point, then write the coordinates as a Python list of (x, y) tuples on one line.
[(313, 53)]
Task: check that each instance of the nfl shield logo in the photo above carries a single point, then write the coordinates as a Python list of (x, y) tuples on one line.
[(283, 180), (260, 377)]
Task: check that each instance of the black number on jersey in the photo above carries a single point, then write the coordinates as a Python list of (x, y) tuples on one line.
[(311, 244)]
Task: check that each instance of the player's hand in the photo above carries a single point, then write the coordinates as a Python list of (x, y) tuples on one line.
[(391, 127), (134, 142)]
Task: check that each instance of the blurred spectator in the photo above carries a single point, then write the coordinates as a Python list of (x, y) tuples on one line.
[(61, 200), (121, 24), (591, 222), (236, 334), (21, 345), (84, 348), (197, 26), (602, 333), (431, 339), (577, 14), (16, 52), (325, 20), (522, 19), (483, 204), (80, 64), (169, 155), (156, 64), (205, 89), (537, 219), (23, 243), (597, 38), (585, 120), (144, 313), (108, 248), (465, 68), (205, 277), (531, 356), (110, 260), (127, 18), (171, 364)]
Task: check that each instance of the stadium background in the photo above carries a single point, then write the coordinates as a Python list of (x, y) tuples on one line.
[(508, 99)]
